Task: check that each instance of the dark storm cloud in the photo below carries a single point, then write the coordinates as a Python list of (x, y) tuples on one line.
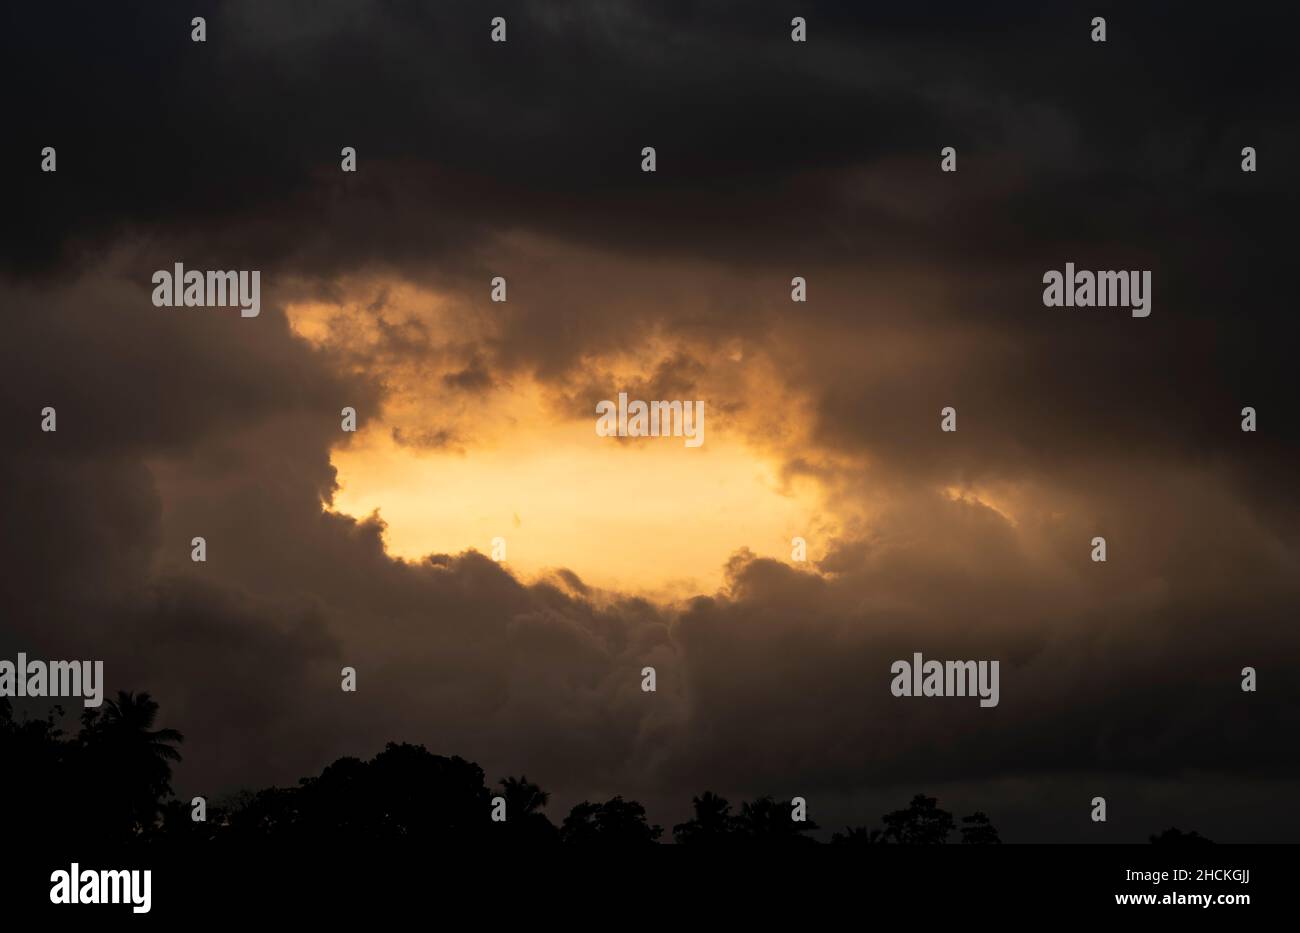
[(775, 160), (241, 134), (773, 156)]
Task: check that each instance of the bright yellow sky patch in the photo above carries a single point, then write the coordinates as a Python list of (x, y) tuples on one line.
[(646, 515), (642, 514)]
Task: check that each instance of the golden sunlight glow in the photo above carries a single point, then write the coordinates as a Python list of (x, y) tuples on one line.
[(448, 471), (984, 498), (647, 515)]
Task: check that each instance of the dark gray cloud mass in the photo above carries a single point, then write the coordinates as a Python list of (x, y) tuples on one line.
[(1119, 679)]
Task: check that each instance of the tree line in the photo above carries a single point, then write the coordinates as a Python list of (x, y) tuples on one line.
[(110, 784)]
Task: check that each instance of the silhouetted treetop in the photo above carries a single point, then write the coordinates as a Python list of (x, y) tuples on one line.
[(922, 823), (713, 822), (977, 830), (111, 783), (615, 822)]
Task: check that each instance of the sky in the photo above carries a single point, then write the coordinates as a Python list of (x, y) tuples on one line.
[(476, 419)]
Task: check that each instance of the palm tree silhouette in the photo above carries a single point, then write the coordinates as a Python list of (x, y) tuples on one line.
[(128, 721), (522, 796), (767, 820), (132, 759), (525, 821)]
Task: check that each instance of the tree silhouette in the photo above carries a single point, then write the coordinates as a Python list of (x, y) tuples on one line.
[(404, 792), (37, 776), (178, 828), (768, 821), (266, 813), (978, 830), (129, 762), (922, 823), (111, 785), (524, 820), (522, 796), (615, 822), (713, 822)]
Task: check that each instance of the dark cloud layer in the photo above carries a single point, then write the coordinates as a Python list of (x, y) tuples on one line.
[(774, 159)]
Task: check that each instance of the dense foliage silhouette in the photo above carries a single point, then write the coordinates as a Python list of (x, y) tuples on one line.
[(922, 823), (110, 785)]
